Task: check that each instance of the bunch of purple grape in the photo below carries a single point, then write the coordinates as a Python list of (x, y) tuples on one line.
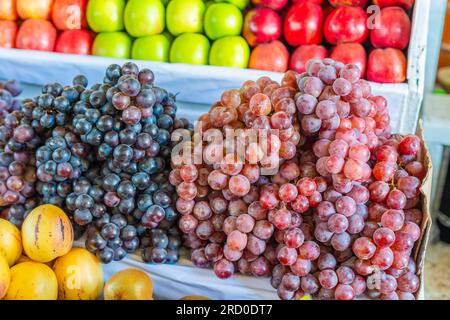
[(124, 196), (9, 91), (18, 142), (102, 153)]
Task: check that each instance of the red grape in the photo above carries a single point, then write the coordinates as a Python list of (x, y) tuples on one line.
[(364, 248), (393, 219), (383, 258), (294, 238), (328, 279), (344, 292), (384, 237), (410, 145), (223, 269), (409, 282)]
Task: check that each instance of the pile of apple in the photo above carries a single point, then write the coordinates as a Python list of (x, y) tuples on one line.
[(369, 33), (45, 25), (272, 35)]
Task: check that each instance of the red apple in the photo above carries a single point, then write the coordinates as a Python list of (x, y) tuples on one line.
[(406, 4), (69, 14), (75, 42), (34, 9), (386, 66), (353, 3), (351, 53), (271, 56), (313, 1), (346, 24), (303, 54), (261, 25), (8, 10), (303, 24), (35, 34), (393, 31), (8, 31), (272, 4)]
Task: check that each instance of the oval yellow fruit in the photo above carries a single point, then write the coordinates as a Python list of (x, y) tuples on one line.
[(5, 276), (10, 242), (46, 233), (32, 281), (79, 274), (129, 284)]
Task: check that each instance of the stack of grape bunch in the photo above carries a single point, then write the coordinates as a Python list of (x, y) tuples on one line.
[(17, 165), (124, 197), (226, 203), (338, 220)]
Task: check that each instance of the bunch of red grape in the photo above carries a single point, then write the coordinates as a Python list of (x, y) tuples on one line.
[(339, 217), (358, 239), (363, 239), (226, 202)]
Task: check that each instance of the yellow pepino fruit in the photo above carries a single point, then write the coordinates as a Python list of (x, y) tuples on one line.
[(32, 281), (129, 284), (80, 275), (10, 242), (5, 276), (46, 233)]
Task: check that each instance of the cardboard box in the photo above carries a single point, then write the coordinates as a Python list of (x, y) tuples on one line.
[(425, 190)]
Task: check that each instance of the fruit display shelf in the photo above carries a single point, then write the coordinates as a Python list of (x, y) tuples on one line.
[(202, 85)]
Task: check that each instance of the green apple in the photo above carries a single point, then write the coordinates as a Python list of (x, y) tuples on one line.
[(241, 4), (112, 44), (223, 19), (105, 15), (185, 16), (154, 48), (232, 51), (144, 17), (192, 48)]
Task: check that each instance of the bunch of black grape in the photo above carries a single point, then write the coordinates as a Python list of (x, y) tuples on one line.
[(61, 158), (55, 105), (17, 164), (61, 161), (124, 195)]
